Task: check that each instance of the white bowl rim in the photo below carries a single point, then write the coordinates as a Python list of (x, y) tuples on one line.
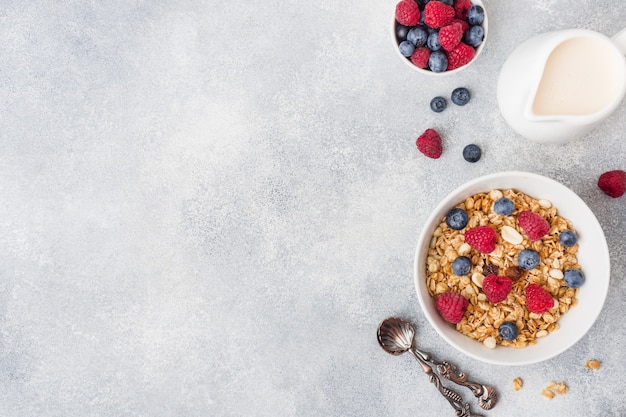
[(530, 354)]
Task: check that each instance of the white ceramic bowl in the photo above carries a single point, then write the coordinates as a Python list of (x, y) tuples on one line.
[(593, 257), (485, 26)]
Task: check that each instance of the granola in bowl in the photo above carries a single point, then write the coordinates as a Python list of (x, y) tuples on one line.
[(484, 315)]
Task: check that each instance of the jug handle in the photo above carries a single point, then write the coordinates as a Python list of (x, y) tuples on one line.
[(620, 41)]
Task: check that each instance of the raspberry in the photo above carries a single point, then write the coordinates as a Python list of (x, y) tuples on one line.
[(496, 288), (460, 9), (429, 143), (451, 306), (533, 224), (450, 36), (538, 300), (459, 56), (407, 13), (481, 238), (437, 14), (463, 23), (420, 57), (613, 183)]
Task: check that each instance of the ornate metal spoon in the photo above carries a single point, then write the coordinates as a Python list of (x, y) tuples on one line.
[(396, 336)]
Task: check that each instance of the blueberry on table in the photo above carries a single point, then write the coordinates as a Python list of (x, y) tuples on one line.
[(438, 104), (504, 206), (460, 96), (471, 153), (456, 218)]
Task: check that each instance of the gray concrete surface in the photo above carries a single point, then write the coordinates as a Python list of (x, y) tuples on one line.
[(207, 207)]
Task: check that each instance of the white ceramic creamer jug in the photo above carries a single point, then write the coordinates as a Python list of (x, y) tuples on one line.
[(557, 86)]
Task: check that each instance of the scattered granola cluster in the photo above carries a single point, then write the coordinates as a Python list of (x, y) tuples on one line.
[(522, 260), (554, 388)]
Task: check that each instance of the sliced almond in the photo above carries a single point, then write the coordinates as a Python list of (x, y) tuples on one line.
[(556, 273), (478, 278), (490, 342), (511, 235), (545, 203)]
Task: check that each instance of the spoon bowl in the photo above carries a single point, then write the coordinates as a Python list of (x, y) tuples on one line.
[(395, 337)]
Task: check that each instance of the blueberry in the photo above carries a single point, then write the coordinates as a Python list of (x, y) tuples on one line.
[(433, 41), (504, 206), (574, 278), (460, 96), (474, 36), (438, 62), (508, 330), (456, 218), (406, 48), (401, 32), (448, 2), (471, 153), (568, 238), (418, 36), (438, 104), (528, 259), (461, 266), (475, 15)]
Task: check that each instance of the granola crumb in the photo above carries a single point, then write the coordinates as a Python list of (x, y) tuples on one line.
[(547, 394), (593, 364), (518, 384), (561, 388)]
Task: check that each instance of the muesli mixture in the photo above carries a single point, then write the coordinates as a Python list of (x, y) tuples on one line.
[(502, 267)]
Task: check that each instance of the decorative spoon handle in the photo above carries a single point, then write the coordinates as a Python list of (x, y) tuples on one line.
[(487, 396), (455, 400)]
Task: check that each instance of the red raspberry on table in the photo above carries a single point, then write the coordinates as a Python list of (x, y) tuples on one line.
[(450, 36), (496, 288), (438, 14), (407, 13), (420, 57), (533, 225), (461, 7), (538, 300), (459, 56), (429, 143), (451, 306), (613, 183), (481, 238)]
